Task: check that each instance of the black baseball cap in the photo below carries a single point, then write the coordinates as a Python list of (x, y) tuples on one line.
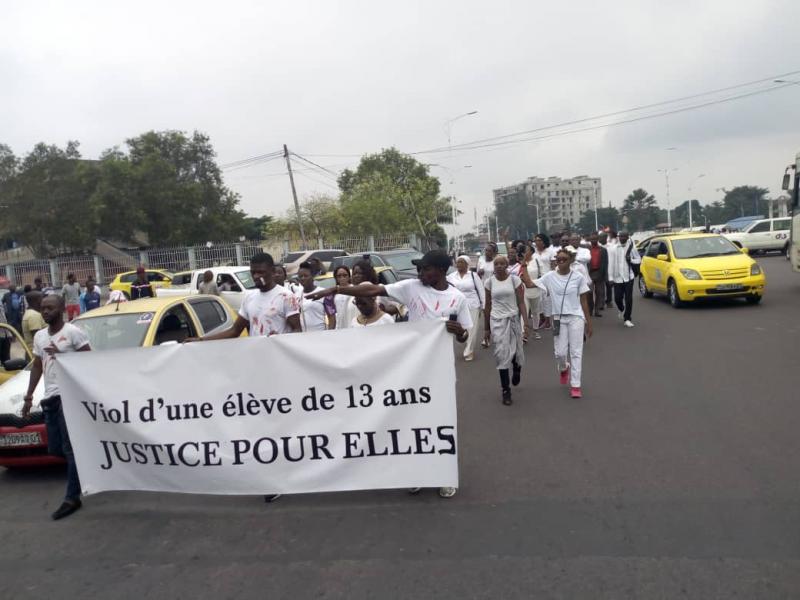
[(433, 258)]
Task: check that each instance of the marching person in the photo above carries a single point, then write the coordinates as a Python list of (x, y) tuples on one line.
[(546, 255), (428, 297), (623, 267), (90, 299), (569, 291), (364, 271), (57, 338), (598, 273), (505, 324), (534, 268), (280, 279), (315, 315), (486, 261), (268, 310), (346, 309), (609, 244), (469, 284), (369, 314), (32, 320)]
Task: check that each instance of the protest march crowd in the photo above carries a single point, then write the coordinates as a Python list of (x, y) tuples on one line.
[(537, 287)]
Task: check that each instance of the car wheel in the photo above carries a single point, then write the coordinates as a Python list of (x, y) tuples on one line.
[(674, 297), (787, 251), (753, 299), (643, 288)]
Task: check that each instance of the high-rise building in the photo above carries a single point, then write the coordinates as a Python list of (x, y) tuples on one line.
[(556, 203)]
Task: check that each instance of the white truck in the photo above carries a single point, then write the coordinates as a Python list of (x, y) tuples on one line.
[(231, 281), (764, 235)]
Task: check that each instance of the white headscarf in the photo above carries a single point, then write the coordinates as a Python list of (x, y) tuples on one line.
[(465, 258)]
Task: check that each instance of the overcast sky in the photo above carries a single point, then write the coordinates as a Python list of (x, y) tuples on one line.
[(345, 78)]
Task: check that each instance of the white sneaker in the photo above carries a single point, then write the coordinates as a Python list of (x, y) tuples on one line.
[(447, 492), (629, 324)]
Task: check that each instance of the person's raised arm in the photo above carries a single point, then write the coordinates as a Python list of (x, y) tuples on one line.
[(525, 276), (362, 290)]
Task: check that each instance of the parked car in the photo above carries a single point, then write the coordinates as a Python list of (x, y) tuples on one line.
[(399, 260), (386, 275), (690, 267), (157, 277), (764, 235), (231, 281), (146, 322), (293, 260)]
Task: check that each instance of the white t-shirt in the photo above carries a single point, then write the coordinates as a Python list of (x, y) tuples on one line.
[(69, 339), (423, 302), (313, 317), (564, 288), (487, 266), (514, 269), (583, 256), (536, 268), (384, 320), (470, 285), (504, 296), (268, 312)]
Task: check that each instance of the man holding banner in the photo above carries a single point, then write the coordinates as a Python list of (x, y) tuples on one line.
[(58, 337), (429, 297)]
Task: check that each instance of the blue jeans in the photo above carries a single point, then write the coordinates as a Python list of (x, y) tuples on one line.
[(58, 444)]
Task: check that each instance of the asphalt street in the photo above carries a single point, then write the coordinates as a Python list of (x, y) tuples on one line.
[(676, 476)]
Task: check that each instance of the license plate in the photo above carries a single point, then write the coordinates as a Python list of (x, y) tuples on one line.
[(730, 286), (25, 438)]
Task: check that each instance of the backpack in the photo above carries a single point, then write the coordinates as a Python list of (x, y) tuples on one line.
[(634, 267)]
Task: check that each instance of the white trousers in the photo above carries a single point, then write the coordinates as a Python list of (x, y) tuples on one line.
[(469, 345), (569, 347), (532, 309)]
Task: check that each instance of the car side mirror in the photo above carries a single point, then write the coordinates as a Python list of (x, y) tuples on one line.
[(15, 364), (744, 250), (786, 179), (664, 257)]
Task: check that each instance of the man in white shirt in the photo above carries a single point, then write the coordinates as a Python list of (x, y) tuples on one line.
[(58, 337), (429, 297), (623, 267)]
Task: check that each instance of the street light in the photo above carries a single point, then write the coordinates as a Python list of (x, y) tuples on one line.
[(691, 185), (666, 180), (449, 125)]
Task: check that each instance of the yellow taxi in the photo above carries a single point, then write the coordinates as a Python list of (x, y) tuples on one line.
[(696, 266), (157, 278), (145, 322)]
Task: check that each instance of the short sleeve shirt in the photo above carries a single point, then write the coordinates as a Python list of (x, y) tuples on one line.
[(426, 303), (268, 312), (68, 339)]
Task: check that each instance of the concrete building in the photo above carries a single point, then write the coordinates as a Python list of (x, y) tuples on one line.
[(560, 203)]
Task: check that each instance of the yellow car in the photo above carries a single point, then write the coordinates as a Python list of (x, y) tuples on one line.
[(691, 266), (157, 277)]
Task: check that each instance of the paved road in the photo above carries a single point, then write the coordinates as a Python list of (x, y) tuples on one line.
[(675, 477)]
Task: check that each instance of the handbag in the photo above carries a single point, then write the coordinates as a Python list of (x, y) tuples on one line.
[(557, 322)]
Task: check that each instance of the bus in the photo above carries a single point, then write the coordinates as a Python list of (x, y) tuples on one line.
[(793, 249)]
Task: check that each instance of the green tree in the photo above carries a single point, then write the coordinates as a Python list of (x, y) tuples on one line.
[(680, 214), (641, 210), (514, 210), (606, 217), (745, 200), (391, 192), (45, 199), (715, 213)]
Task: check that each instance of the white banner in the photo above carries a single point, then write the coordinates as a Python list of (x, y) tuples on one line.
[(351, 409)]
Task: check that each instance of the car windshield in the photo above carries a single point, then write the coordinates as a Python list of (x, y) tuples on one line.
[(325, 282), (292, 256), (402, 262), (111, 332), (702, 247), (247, 279)]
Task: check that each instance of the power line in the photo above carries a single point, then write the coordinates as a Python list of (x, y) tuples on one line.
[(311, 162), (467, 147), (333, 187), (248, 162)]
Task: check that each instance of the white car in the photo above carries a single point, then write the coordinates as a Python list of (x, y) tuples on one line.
[(763, 235), (292, 261), (231, 281)]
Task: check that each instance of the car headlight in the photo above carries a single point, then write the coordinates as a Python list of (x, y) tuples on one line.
[(755, 269), (690, 274)]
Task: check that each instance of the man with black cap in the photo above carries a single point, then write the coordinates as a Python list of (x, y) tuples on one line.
[(429, 297)]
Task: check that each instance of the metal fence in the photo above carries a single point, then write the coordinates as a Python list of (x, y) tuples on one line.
[(110, 261)]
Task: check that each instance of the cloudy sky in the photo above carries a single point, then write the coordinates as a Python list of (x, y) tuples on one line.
[(338, 79)]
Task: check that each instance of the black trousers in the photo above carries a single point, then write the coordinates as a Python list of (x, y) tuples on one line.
[(505, 381), (623, 296)]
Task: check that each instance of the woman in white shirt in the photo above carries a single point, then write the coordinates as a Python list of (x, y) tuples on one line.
[(369, 314), (545, 254), (469, 284), (569, 291), (505, 323), (345, 309), (535, 269)]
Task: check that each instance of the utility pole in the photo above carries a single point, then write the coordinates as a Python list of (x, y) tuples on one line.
[(294, 195)]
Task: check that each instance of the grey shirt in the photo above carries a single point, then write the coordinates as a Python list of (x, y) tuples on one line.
[(208, 288), (71, 293)]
